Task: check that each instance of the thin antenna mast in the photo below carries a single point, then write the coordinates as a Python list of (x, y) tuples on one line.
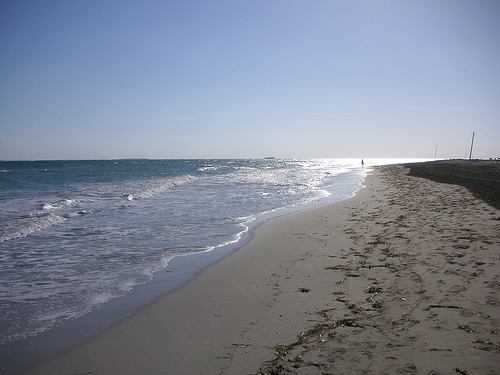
[(436, 152), (471, 145)]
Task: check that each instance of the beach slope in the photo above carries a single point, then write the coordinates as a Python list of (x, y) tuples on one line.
[(402, 278)]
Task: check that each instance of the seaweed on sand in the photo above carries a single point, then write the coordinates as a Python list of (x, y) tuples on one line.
[(319, 333)]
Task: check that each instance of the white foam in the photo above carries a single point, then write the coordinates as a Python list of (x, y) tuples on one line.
[(22, 227), (65, 203), (148, 189), (101, 298)]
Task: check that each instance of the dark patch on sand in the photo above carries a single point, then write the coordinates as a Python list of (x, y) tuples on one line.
[(481, 177)]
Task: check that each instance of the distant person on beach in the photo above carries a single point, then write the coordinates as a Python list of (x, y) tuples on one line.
[(362, 162)]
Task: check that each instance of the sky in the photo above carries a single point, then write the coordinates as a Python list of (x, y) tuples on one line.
[(102, 79)]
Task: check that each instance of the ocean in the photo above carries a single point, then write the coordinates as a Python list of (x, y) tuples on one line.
[(85, 243)]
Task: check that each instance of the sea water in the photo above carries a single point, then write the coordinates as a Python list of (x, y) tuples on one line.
[(78, 235)]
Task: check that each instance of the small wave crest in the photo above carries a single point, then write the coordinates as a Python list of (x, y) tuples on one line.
[(22, 227), (65, 203), (209, 168), (134, 190), (148, 189)]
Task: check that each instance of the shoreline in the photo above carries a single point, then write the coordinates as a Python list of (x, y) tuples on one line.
[(180, 270), (378, 283)]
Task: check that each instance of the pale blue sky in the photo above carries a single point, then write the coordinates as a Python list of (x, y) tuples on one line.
[(236, 79)]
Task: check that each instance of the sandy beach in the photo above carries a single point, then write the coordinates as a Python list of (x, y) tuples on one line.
[(403, 278)]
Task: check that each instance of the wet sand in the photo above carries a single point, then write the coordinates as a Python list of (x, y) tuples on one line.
[(404, 278)]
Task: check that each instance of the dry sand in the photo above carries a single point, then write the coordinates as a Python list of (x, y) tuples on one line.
[(401, 279)]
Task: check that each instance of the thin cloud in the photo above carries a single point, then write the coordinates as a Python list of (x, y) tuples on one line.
[(223, 113), (413, 107), (182, 118), (10, 139)]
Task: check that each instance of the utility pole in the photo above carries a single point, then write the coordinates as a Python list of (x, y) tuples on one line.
[(436, 152), (471, 145)]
